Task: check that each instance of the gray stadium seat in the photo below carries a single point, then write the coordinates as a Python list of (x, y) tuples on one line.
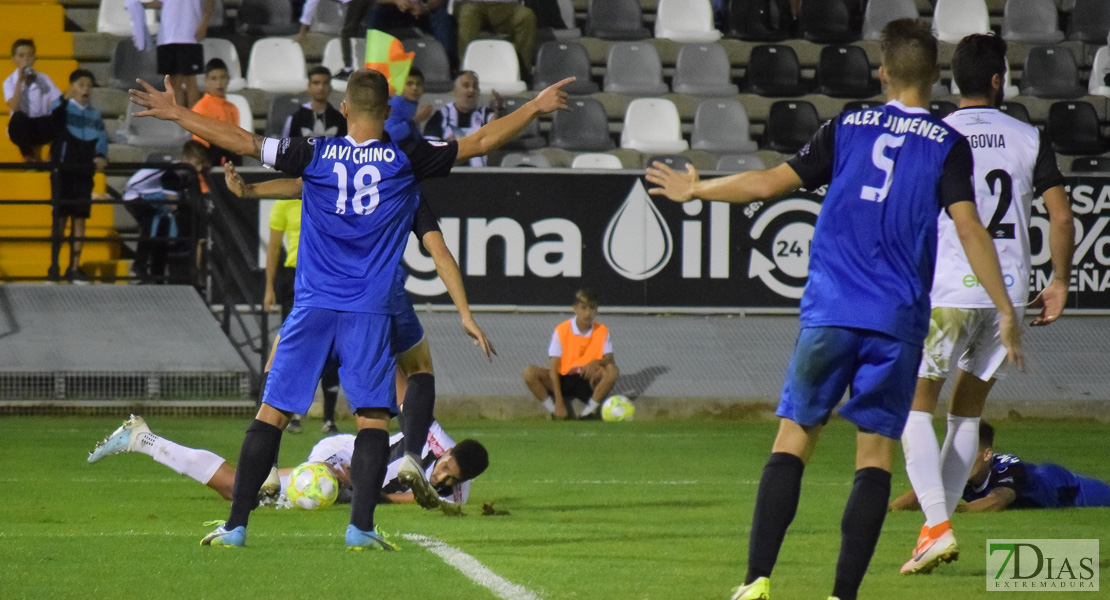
[(329, 18), (128, 64), (759, 20), (1090, 22), (862, 104), (584, 127), (528, 139), (941, 109), (739, 163), (148, 132), (281, 108), (774, 70), (519, 159), (880, 12), (722, 126), (430, 58), (1091, 164), (677, 162), (1015, 110), (845, 72), (790, 124), (616, 20), (558, 60), (161, 157), (1073, 128), (1032, 21), (703, 70), (634, 68), (1051, 72), (826, 22), (266, 17)]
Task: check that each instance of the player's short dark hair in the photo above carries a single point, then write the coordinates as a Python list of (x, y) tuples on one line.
[(471, 457), (319, 70), (986, 435), (586, 296), (196, 151), (368, 93), (977, 60), (22, 42), (215, 64), (417, 73), (909, 52), (79, 73)]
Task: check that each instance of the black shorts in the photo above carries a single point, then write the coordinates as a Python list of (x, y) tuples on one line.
[(71, 195), (576, 386), (181, 59)]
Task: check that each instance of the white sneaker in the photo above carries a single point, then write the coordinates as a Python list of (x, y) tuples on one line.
[(412, 475), (931, 552), (270, 487), (122, 439)]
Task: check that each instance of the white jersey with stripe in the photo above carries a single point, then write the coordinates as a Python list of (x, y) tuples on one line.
[(1013, 164)]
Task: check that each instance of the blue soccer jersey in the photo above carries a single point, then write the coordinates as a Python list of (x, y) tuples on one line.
[(890, 170), (1039, 486), (359, 201)]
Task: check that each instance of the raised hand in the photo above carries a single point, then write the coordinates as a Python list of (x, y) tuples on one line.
[(160, 105), (553, 98), (234, 181), (673, 184)]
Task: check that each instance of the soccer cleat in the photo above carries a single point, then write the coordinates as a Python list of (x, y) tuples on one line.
[(921, 537), (412, 475), (344, 74), (122, 439), (760, 589), (271, 486), (938, 547), (220, 537), (329, 428), (360, 540)]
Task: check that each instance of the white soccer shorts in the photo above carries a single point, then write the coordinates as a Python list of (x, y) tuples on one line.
[(967, 335)]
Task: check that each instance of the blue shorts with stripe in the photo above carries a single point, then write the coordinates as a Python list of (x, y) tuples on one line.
[(359, 342), (879, 370)]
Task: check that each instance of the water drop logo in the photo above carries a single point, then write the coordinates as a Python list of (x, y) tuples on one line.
[(637, 242)]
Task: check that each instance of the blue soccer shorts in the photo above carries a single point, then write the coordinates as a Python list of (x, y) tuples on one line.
[(312, 337), (880, 371), (407, 331)]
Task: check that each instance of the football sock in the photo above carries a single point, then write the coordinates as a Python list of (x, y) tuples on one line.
[(258, 455), (591, 406), (330, 382), (199, 464), (919, 444), (58, 230), (860, 528), (961, 447), (775, 505), (548, 404), (368, 465), (420, 402)]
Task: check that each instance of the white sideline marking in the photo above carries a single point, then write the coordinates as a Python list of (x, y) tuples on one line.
[(474, 570)]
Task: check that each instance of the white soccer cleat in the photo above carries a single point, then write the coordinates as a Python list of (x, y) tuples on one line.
[(412, 475), (270, 487), (931, 552), (122, 439), (760, 589)]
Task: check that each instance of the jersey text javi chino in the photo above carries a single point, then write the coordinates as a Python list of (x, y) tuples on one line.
[(359, 155)]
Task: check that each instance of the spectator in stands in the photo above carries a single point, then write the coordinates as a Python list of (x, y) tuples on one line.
[(427, 15), (317, 117), (463, 117), (506, 17), (580, 363), (147, 198), (80, 149), (184, 24), (29, 95), (405, 110), (352, 28), (215, 104)]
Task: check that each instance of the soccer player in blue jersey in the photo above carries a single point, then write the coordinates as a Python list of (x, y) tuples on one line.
[(890, 170), (360, 194)]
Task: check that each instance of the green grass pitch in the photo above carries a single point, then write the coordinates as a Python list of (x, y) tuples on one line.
[(595, 510)]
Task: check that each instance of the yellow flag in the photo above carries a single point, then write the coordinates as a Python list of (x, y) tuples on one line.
[(385, 54)]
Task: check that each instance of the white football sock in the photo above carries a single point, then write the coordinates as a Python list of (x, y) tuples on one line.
[(549, 405), (591, 406), (961, 446), (201, 465), (919, 444)]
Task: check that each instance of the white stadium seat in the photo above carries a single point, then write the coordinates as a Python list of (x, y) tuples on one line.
[(596, 160), (225, 51), (246, 117), (496, 64), (686, 21), (113, 18), (652, 126), (955, 19), (277, 65)]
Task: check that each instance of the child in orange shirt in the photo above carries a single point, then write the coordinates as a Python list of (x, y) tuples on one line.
[(214, 104)]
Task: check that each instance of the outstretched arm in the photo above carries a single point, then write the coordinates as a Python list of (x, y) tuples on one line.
[(277, 189), (997, 500), (448, 271), (163, 105), (495, 134), (1061, 242), (907, 501), (739, 188)]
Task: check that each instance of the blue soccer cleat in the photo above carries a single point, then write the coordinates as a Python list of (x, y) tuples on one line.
[(236, 538), (359, 540), (121, 440)]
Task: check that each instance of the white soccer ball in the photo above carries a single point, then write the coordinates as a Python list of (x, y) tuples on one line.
[(312, 486), (617, 408)]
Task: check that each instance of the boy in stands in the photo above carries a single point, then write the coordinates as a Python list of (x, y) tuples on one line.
[(30, 96), (317, 117), (215, 104)]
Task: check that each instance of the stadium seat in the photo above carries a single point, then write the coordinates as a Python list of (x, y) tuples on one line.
[(722, 126), (582, 128), (941, 109), (246, 117), (1100, 69), (333, 60), (685, 21), (739, 163), (652, 125), (1015, 110), (281, 108), (519, 159), (633, 68), (572, 32), (430, 58), (496, 64), (677, 162), (528, 139), (759, 20), (329, 18), (1091, 164), (862, 104), (128, 64), (615, 20), (954, 19), (790, 124), (826, 22), (880, 12), (1051, 72), (596, 160), (147, 132), (845, 72), (1031, 21), (265, 17), (703, 70), (773, 70), (277, 65), (162, 157), (112, 17), (225, 51), (558, 60), (1073, 128), (218, 18), (1090, 22)]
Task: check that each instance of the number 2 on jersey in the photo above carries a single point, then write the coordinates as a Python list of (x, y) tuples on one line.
[(998, 229), (363, 189), (883, 163)]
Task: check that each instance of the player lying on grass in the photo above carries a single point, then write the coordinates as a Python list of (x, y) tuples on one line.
[(1001, 481), (448, 466)]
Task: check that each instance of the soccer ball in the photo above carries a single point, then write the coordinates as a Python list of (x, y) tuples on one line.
[(312, 486), (617, 408)]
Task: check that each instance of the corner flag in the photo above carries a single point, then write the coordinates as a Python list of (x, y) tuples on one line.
[(385, 54)]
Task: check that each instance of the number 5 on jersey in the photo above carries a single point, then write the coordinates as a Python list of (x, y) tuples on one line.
[(363, 189), (883, 163)]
